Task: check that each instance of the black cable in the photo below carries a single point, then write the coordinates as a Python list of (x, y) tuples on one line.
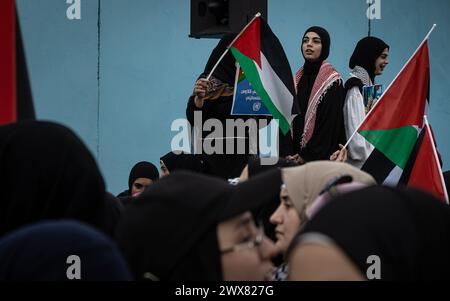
[(368, 17), (98, 77)]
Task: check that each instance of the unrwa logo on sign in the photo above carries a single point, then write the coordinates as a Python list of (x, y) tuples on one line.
[(256, 106)]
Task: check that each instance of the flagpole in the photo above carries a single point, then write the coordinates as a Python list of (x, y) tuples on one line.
[(368, 114), (429, 33), (433, 145), (231, 44), (217, 64)]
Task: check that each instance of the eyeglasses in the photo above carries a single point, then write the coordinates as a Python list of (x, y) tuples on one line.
[(255, 243)]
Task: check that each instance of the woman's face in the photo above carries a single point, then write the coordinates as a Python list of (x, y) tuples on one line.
[(312, 47), (287, 221), (242, 258), (139, 186), (381, 62)]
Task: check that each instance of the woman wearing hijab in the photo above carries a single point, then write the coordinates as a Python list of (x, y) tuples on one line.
[(302, 187), (375, 233), (171, 162), (142, 175), (369, 60), (189, 227), (46, 172), (254, 168), (47, 251), (319, 128), (214, 99)]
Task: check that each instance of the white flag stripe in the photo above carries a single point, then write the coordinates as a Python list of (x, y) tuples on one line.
[(278, 92), (394, 177)]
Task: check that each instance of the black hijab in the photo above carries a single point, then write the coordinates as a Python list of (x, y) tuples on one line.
[(366, 53), (408, 229), (46, 172), (183, 161), (226, 70), (169, 232), (142, 170), (311, 69), (40, 252), (326, 42), (113, 209), (255, 167)]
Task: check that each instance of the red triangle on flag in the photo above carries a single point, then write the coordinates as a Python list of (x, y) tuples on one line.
[(249, 42), (426, 173)]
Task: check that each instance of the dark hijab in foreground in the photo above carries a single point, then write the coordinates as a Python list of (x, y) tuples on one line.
[(183, 161), (46, 172), (408, 229), (41, 252), (319, 128), (170, 231)]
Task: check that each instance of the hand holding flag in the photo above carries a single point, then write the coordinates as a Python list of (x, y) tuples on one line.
[(264, 62)]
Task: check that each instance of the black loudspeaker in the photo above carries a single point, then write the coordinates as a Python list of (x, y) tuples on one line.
[(214, 18)]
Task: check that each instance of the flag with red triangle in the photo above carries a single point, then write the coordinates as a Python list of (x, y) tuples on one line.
[(423, 170), (394, 124), (264, 63)]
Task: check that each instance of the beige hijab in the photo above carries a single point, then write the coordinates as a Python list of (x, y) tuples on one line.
[(304, 183)]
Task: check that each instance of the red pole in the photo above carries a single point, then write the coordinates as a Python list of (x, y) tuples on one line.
[(8, 109)]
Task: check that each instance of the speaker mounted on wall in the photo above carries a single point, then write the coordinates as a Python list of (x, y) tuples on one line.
[(215, 18)]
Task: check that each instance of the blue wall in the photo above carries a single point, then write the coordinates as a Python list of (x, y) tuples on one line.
[(148, 65)]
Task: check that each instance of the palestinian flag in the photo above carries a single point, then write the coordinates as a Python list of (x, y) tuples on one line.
[(394, 124), (264, 63), (423, 170), (15, 94)]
